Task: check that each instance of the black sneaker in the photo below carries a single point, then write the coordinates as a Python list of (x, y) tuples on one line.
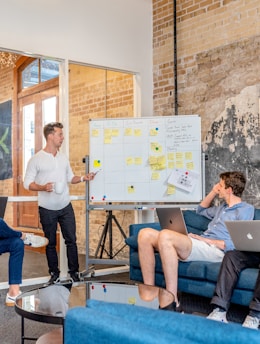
[(55, 278), (75, 276)]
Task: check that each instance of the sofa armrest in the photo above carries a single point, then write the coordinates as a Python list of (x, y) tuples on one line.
[(106, 322)]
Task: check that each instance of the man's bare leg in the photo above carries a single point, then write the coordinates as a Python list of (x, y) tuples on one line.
[(173, 246), (147, 244)]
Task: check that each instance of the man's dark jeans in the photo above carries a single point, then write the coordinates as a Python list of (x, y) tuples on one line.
[(66, 219), (232, 264)]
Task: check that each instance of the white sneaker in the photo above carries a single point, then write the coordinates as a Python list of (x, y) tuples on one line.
[(35, 240), (10, 300), (217, 315), (251, 322)]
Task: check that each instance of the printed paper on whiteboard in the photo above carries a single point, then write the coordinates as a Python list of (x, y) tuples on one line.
[(183, 179)]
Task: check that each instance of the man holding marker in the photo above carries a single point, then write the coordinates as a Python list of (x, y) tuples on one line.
[(49, 173)]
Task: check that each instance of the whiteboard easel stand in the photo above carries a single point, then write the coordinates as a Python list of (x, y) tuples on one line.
[(108, 229), (90, 268)]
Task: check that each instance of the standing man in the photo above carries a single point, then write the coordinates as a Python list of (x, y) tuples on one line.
[(49, 173), (209, 246)]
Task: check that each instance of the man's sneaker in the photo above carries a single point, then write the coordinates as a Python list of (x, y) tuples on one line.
[(251, 322), (75, 276), (10, 300), (55, 278), (35, 240), (218, 315)]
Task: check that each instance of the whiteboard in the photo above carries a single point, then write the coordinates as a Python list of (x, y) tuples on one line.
[(147, 159)]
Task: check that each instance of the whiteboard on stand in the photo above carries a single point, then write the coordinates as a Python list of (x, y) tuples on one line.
[(146, 159)]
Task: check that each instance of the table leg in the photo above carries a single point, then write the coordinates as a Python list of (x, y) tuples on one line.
[(23, 338), (22, 330)]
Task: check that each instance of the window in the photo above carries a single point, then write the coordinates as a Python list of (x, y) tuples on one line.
[(38, 71)]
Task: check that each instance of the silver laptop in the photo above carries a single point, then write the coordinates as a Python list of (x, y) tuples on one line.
[(245, 234), (172, 218)]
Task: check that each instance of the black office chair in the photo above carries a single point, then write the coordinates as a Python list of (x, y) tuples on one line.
[(3, 202)]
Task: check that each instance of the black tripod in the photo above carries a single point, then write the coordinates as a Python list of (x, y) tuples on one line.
[(108, 229)]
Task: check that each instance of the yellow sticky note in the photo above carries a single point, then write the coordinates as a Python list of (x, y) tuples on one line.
[(152, 160), (95, 133), (138, 132), (179, 155), (153, 132), (188, 155), (170, 156), (129, 161), (128, 131), (108, 132), (132, 300), (115, 132), (155, 167), (96, 163), (171, 190), (155, 176), (179, 164), (130, 189), (107, 139), (161, 159), (138, 161), (190, 165), (162, 166), (155, 147), (171, 165)]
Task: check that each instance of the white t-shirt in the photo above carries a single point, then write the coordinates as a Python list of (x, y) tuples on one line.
[(45, 168)]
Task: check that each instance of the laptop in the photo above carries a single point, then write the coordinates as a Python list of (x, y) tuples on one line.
[(245, 234), (172, 218)]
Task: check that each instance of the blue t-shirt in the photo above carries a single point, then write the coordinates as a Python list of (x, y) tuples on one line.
[(219, 214)]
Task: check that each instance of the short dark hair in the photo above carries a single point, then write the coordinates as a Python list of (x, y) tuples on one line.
[(49, 128), (235, 180)]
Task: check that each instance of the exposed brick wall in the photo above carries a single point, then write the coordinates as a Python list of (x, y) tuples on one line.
[(217, 44)]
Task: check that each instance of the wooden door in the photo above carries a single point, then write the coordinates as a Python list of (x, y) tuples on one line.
[(34, 112)]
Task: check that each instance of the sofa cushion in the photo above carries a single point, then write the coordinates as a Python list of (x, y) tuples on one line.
[(193, 270), (195, 223), (257, 214)]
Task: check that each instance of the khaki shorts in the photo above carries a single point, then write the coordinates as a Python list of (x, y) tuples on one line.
[(204, 252)]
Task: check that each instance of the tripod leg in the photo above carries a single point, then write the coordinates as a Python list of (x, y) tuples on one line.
[(108, 228), (119, 227), (102, 240)]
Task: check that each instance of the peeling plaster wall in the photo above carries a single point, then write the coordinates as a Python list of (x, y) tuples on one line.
[(233, 142)]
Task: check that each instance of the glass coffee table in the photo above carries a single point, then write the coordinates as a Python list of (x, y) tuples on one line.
[(44, 306)]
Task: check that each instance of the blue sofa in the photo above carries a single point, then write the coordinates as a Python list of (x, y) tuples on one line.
[(106, 323), (196, 277)]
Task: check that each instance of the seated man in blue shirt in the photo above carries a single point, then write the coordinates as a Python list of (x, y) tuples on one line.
[(13, 242), (210, 246), (233, 263)]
